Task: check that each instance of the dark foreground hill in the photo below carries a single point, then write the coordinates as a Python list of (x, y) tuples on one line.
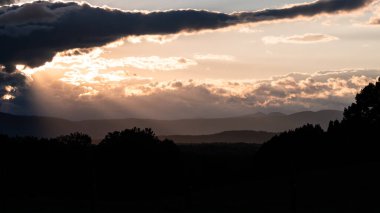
[(243, 136), (52, 127)]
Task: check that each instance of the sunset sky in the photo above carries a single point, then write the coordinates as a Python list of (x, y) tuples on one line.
[(171, 59)]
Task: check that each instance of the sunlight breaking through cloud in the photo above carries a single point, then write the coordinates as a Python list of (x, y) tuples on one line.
[(93, 60), (286, 93)]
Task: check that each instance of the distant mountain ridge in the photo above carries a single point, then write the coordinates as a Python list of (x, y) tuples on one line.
[(261, 114), (51, 127), (243, 136)]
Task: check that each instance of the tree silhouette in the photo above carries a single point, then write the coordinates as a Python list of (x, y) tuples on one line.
[(294, 149), (75, 139), (134, 138), (366, 109), (135, 163)]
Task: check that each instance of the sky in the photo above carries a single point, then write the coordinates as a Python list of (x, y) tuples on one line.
[(172, 59)]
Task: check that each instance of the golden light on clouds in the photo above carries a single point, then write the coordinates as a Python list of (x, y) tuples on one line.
[(7, 97), (90, 67), (78, 78), (9, 88), (94, 71)]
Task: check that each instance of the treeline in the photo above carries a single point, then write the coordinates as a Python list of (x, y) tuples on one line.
[(132, 163), (131, 170)]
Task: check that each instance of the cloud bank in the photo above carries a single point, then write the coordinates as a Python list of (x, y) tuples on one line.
[(134, 96), (295, 91)]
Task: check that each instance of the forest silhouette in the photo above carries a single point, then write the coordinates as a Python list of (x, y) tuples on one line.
[(308, 169)]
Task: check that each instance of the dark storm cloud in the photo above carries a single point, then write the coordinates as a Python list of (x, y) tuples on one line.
[(305, 10), (5, 2), (32, 33)]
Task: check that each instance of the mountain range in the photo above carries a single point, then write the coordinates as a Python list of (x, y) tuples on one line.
[(97, 129)]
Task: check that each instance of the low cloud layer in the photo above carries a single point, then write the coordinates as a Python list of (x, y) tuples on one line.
[(299, 39), (295, 91), (134, 96)]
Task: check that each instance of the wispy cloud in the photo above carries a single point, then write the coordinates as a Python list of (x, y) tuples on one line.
[(249, 29), (160, 39), (93, 60), (156, 63), (308, 38), (214, 57)]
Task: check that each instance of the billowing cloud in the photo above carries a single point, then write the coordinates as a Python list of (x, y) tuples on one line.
[(308, 38), (161, 39), (321, 90), (136, 96)]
